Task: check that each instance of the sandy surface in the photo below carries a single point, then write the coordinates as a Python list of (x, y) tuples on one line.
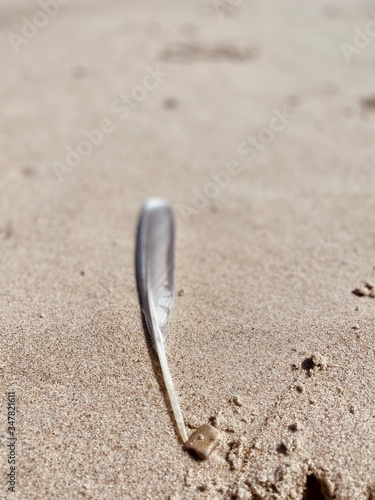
[(261, 342)]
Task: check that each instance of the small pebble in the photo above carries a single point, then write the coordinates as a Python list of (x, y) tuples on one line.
[(236, 400), (181, 292), (203, 441), (320, 361), (355, 327)]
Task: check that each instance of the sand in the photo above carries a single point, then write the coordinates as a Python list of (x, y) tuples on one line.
[(267, 341)]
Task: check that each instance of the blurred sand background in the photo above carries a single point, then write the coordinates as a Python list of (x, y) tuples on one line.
[(267, 341)]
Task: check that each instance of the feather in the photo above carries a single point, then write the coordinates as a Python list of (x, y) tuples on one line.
[(155, 280)]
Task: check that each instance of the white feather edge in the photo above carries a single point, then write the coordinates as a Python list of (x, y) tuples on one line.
[(152, 321)]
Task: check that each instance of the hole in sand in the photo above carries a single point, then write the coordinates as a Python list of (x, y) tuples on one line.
[(315, 489), (308, 364), (281, 448)]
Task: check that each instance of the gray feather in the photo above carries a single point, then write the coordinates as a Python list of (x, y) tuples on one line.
[(155, 263), (155, 280)]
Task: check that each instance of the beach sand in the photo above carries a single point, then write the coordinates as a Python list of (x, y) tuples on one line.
[(267, 341)]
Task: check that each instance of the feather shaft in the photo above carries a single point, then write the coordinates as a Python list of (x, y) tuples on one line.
[(155, 280), (173, 398)]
